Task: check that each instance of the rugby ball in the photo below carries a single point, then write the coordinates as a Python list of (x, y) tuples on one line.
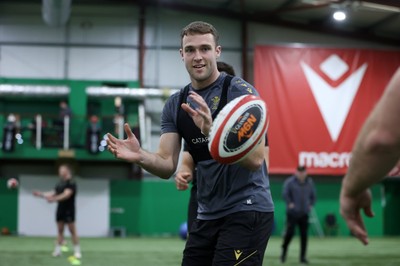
[(12, 183), (238, 128)]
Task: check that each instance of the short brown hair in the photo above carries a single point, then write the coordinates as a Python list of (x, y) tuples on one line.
[(224, 67), (200, 27), (301, 168)]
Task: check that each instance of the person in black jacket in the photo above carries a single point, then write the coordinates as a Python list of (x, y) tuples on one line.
[(300, 196)]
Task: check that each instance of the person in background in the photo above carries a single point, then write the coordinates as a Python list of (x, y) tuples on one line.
[(225, 67), (65, 111), (236, 211), (64, 194), (300, 197), (375, 155)]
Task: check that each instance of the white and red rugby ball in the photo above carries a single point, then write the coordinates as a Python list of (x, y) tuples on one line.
[(12, 183), (238, 128)]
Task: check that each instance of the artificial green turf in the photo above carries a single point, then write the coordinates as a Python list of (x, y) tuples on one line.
[(29, 251)]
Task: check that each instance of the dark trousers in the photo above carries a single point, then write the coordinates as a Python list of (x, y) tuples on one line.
[(236, 239), (292, 220), (192, 208)]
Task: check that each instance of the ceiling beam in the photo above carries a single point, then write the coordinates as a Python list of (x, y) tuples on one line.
[(272, 18), (395, 3), (383, 21)]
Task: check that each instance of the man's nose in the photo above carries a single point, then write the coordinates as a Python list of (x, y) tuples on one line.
[(197, 55)]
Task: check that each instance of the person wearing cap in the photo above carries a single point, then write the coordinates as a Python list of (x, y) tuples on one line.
[(300, 196)]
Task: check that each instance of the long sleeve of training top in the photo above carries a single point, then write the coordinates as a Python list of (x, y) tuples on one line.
[(302, 195)]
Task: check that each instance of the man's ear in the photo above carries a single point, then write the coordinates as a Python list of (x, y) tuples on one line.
[(218, 50), (181, 53)]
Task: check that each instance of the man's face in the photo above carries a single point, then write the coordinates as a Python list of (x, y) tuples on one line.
[(64, 172), (200, 56), (302, 175)]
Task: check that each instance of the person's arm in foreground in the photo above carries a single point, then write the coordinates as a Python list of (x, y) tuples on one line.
[(375, 153), (184, 175), (162, 163)]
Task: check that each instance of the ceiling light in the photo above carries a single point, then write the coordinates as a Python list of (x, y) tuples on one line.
[(339, 15)]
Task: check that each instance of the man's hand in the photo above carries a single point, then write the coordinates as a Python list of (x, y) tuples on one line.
[(127, 149), (350, 209), (50, 198), (396, 170), (182, 180), (37, 193), (201, 115)]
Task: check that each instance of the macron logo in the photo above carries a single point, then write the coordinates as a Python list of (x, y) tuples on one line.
[(334, 103)]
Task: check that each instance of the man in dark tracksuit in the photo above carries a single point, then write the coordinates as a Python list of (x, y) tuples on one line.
[(299, 195)]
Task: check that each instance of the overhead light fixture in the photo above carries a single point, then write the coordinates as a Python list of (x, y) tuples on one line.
[(339, 15)]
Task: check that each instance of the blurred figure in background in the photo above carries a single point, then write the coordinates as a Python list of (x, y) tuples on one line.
[(299, 195), (65, 111), (64, 194)]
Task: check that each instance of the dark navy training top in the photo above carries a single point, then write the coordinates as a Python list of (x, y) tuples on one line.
[(222, 189)]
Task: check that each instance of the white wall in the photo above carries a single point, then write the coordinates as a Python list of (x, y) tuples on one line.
[(36, 217)]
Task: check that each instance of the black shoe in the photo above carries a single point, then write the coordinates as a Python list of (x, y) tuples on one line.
[(283, 255), (303, 261)]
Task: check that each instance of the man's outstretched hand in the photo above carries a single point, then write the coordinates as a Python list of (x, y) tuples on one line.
[(126, 149), (350, 209)]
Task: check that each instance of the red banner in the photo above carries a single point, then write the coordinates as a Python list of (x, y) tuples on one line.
[(318, 99)]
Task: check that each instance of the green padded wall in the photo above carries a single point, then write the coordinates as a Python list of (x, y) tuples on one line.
[(154, 206), (8, 206), (392, 205), (150, 207)]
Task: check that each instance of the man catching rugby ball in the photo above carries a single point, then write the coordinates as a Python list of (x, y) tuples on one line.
[(235, 213)]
